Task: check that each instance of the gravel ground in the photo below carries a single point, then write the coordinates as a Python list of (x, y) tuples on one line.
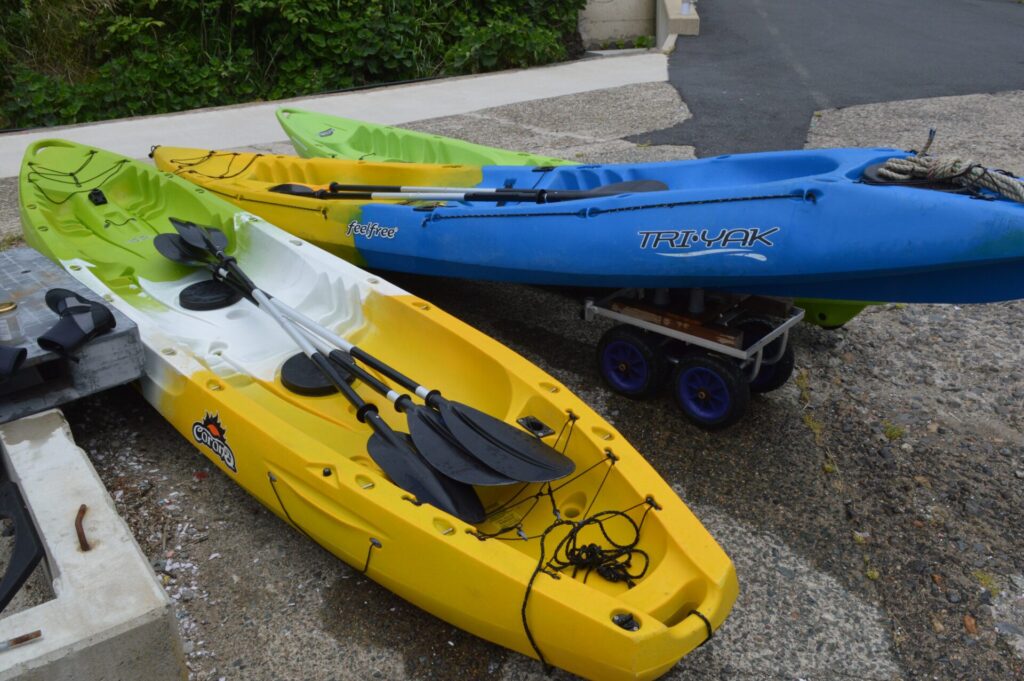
[(872, 505)]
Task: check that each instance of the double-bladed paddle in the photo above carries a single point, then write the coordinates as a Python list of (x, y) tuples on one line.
[(350, 192), (504, 447), (392, 451), (456, 439)]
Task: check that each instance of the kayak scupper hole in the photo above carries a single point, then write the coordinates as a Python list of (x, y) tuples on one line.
[(572, 507), (76, 267), (373, 280), (42, 228), (419, 304), (169, 351), (364, 461), (295, 242), (443, 526), (550, 387), (200, 190), (602, 433), (214, 385), (365, 482), (217, 349), (31, 206)]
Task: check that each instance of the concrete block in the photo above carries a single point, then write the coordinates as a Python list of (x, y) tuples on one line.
[(110, 619), (675, 18), (605, 20)]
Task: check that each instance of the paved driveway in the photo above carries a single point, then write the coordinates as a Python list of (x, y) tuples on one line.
[(761, 68)]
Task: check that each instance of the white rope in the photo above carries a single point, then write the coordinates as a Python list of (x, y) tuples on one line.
[(959, 171)]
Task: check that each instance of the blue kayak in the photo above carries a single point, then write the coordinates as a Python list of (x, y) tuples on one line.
[(794, 224)]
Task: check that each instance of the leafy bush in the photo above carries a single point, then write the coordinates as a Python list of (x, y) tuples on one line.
[(72, 61)]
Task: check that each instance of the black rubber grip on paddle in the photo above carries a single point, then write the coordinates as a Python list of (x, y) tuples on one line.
[(380, 366)]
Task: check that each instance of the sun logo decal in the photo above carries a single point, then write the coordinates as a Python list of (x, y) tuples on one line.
[(211, 434)]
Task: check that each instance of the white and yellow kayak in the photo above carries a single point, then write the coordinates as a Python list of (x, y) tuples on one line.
[(215, 374)]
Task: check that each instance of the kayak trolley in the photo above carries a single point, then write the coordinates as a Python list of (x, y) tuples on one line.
[(717, 347)]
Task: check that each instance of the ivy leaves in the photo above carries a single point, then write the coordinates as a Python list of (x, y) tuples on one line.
[(96, 59)]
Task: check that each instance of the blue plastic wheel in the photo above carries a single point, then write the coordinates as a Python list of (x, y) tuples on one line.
[(631, 362), (711, 391)]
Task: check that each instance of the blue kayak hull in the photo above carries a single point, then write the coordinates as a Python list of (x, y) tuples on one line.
[(798, 224)]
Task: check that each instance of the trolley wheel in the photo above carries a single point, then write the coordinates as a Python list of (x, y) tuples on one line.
[(711, 390), (631, 361), (770, 376)]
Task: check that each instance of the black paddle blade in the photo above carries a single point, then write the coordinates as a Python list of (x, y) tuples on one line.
[(396, 456), (292, 189), (199, 237), (507, 449), (440, 448), (173, 248), (632, 186), (169, 246)]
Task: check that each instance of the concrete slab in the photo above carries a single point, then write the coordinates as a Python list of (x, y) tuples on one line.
[(237, 126), (109, 618)]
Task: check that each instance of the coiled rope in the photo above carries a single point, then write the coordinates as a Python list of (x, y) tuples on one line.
[(952, 169)]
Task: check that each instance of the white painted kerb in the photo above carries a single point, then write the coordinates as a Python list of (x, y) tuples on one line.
[(110, 619), (244, 125)]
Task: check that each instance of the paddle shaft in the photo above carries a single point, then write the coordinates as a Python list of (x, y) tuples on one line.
[(343, 359), (286, 316), (365, 411), (229, 272), (338, 187), (521, 195), (424, 393)]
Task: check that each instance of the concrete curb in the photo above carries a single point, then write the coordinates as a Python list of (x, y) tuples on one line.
[(673, 19), (248, 124), (110, 619)]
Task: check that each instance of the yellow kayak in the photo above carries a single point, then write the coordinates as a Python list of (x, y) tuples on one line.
[(216, 374)]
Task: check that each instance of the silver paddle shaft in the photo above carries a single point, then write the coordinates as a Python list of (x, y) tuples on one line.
[(323, 346), (331, 337)]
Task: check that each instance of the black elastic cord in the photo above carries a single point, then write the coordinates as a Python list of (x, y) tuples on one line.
[(374, 544), (711, 631)]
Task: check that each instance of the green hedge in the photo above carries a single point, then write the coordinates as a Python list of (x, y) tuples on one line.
[(72, 61)]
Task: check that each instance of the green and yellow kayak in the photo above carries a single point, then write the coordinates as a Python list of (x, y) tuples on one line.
[(316, 135), (215, 375)]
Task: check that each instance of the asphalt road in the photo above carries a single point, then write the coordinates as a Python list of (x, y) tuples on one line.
[(761, 68)]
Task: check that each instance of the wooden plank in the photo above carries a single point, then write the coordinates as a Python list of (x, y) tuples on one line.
[(679, 322), (772, 307)]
